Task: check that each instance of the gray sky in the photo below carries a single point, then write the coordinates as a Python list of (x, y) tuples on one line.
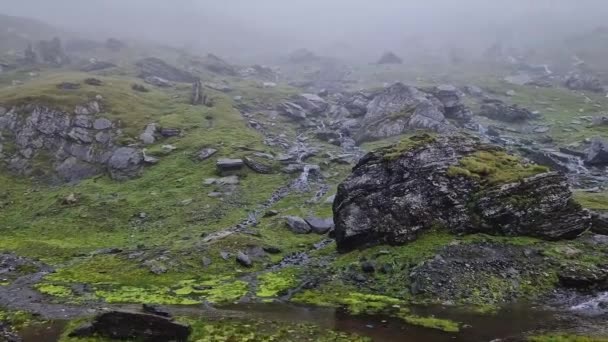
[(250, 27)]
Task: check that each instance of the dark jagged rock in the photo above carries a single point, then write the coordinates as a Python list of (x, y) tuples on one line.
[(198, 97), (257, 165), (244, 259), (140, 88), (389, 58), (155, 67), (396, 193), (452, 101), (133, 325), (598, 152), (97, 65), (578, 81), (592, 278), (498, 110), (125, 163)]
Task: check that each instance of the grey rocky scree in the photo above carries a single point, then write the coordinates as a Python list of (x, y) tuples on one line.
[(394, 196)]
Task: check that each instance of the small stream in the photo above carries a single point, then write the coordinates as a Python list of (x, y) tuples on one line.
[(511, 321)]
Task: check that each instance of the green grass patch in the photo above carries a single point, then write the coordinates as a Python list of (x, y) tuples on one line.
[(432, 323)]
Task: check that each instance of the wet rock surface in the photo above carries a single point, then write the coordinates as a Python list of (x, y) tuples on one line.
[(393, 196), (133, 325)]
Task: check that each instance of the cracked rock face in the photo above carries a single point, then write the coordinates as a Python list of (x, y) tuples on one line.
[(75, 145), (392, 197)]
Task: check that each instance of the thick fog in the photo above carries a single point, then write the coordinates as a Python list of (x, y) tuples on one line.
[(345, 28)]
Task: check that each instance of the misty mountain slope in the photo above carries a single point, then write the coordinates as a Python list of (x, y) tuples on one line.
[(240, 199)]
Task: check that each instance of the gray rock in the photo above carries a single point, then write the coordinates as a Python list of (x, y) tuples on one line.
[(389, 58), (243, 259), (73, 170), (313, 104), (599, 223), (102, 123), (578, 81), (500, 111), (226, 166), (292, 110), (159, 69), (103, 137), (83, 121), (320, 225), (257, 165), (205, 153), (81, 135), (598, 152), (394, 201), (125, 163), (158, 81), (297, 225), (148, 136)]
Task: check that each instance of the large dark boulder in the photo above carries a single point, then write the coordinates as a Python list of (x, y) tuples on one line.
[(125, 325), (576, 81), (455, 182), (156, 67)]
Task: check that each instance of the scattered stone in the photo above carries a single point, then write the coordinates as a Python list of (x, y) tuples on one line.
[(297, 225), (134, 325), (228, 166), (70, 199), (229, 180), (257, 165), (320, 225), (205, 153), (292, 110), (125, 163), (68, 86), (101, 124), (148, 137), (139, 87), (243, 259), (498, 110), (158, 81), (578, 81), (598, 152), (93, 82)]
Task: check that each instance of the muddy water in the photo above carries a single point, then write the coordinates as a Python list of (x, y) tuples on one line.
[(509, 322)]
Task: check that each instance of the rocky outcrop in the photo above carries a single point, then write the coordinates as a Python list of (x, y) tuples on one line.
[(198, 97), (400, 108), (451, 98), (313, 104), (498, 110), (155, 67), (58, 145), (396, 193), (123, 325), (389, 58), (598, 152), (51, 52), (217, 65), (578, 81)]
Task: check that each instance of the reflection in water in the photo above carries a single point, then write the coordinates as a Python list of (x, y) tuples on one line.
[(509, 322)]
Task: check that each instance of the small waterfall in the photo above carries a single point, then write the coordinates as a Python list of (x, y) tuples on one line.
[(301, 184), (594, 306)]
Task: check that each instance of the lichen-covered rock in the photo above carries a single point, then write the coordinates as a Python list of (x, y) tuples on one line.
[(396, 193)]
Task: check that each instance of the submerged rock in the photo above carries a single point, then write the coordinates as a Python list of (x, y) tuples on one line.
[(134, 325), (396, 193)]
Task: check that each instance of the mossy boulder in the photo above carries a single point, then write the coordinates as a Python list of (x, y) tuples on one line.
[(396, 193)]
